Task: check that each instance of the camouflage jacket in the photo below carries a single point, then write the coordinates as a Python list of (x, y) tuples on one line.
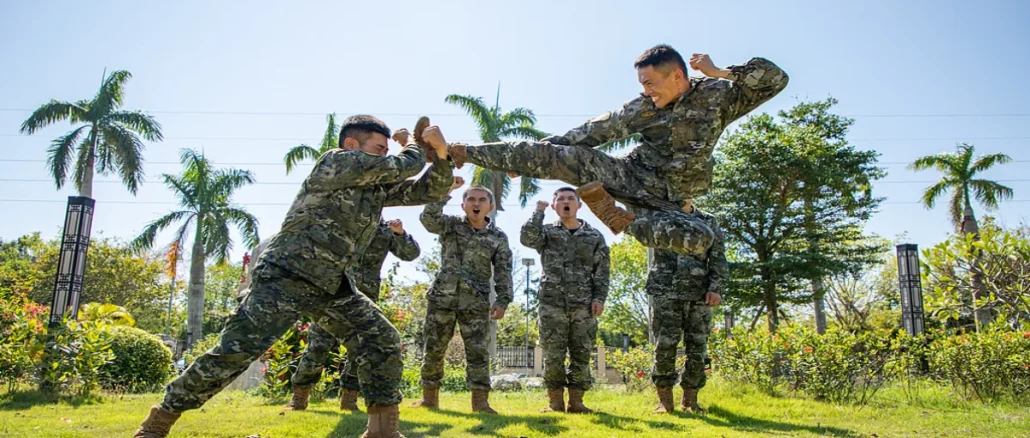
[(575, 264), (677, 141), (336, 214), (674, 275), (468, 257), (366, 272)]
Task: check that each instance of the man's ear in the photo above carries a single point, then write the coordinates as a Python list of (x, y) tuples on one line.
[(350, 144)]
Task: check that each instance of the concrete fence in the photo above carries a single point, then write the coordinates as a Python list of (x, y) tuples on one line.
[(530, 362)]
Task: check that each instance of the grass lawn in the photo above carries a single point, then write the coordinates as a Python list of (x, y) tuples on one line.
[(733, 411)]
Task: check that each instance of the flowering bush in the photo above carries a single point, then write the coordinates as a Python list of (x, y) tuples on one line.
[(635, 366), (22, 338), (985, 365)]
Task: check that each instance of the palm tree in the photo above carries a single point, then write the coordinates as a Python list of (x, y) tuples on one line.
[(304, 152), (960, 173), (205, 194), (107, 141), (495, 125)]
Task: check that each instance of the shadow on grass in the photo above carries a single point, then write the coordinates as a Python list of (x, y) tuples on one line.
[(722, 418), (351, 425), (23, 400)]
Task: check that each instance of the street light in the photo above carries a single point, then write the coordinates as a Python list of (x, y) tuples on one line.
[(527, 262), (71, 264), (911, 289)]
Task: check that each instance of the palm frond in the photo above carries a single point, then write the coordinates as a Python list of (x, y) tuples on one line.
[(83, 165), (524, 131), (140, 123), (475, 107), (517, 117), (227, 181), (297, 154), (988, 161), (110, 96), (128, 155), (50, 112), (990, 192), (217, 241), (145, 240), (59, 152), (935, 191), (945, 162), (330, 139), (955, 206), (184, 190), (528, 188), (246, 223)]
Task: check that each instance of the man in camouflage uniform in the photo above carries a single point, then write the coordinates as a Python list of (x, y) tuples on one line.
[(679, 120), (391, 238), (472, 249), (573, 290), (303, 271), (684, 289)]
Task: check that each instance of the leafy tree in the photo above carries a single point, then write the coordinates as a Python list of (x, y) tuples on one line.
[(205, 194), (108, 314), (303, 152), (626, 311), (108, 139), (960, 176), (495, 125), (792, 204)]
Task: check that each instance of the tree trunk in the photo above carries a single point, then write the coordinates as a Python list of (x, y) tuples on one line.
[(819, 302), (86, 189), (771, 310), (497, 186), (650, 300), (195, 299), (969, 226)]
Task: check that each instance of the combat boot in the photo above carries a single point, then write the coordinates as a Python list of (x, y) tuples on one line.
[(430, 399), (664, 400), (689, 402), (576, 405), (299, 402), (603, 206), (349, 400), (458, 154), (556, 398), (157, 424), (480, 401), (382, 422)]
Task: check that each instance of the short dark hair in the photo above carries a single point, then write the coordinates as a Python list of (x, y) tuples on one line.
[(489, 194), (565, 189), (360, 127), (661, 56)]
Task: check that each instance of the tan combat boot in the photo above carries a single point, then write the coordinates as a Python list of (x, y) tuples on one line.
[(603, 206), (689, 402), (430, 399), (480, 401), (664, 400), (556, 398), (420, 127), (382, 422), (576, 405), (349, 400), (299, 402), (157, 424)]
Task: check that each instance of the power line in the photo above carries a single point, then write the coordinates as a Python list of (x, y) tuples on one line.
[(541, 182), (323, 113), (284, 204)]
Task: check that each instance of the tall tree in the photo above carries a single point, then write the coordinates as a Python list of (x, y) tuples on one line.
[(495, 125), (205, 194), (108, 139), (303, 152), (627, 308), (786, 201), (960, 174)]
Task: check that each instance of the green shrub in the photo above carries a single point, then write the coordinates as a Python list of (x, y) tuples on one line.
[(22, 337), (72, 358), (142, 363), (635, 365), (985, 365)]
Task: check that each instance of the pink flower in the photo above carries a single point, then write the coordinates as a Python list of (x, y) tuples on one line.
[(264, 369), (304, 327)]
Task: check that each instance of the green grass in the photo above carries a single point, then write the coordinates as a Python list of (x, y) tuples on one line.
[(733, 411)]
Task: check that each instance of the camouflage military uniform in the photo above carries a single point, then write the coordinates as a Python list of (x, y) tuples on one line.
[(673, 164), (302, 271), (366, 276), (678, 285), (461, 293), (576, 266)]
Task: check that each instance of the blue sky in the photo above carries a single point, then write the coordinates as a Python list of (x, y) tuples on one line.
[(245, 81)]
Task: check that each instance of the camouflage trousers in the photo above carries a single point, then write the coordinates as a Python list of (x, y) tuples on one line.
[(275, 302), (320, 343), (661, 223), (676, 319), (567, 331), (472, 316), (312, 361)]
